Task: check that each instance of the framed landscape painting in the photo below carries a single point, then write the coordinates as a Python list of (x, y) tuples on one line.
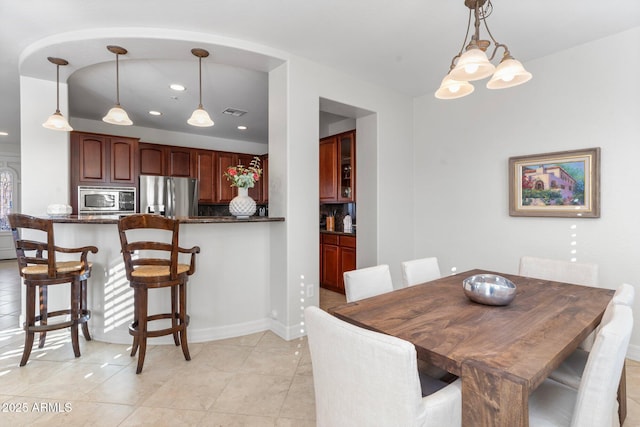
[(563, 184)]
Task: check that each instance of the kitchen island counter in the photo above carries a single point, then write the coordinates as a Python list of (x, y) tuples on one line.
[(228, 295), (113, 219)]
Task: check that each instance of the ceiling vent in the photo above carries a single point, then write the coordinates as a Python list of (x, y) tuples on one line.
[(234, 112)]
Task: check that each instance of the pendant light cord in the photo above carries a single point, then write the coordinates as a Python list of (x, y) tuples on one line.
[(117, 80), (57, 88), (200, 78)]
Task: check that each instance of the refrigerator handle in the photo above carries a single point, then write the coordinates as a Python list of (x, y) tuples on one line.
[(171, 198)]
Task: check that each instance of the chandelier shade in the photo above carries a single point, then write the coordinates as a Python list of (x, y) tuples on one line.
[(473, 65), (200, 117), (472, 62), (509, 73), (56, 121), (117, 115), (452, 89)]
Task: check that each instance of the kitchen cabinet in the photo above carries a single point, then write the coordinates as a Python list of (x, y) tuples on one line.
[(224, 189), (206, 173), (167, 160), (152, 159), (337, 255), (179, 162), (101, 160), (338, 168)]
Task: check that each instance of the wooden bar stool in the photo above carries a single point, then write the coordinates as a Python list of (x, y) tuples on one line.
[(40, 270), (154, 264)]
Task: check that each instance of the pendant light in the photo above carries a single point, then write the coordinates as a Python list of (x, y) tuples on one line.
[(474, 64), (117, 115), (200, 117), (56, 121)]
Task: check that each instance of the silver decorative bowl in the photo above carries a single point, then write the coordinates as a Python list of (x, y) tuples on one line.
[(489, 289)]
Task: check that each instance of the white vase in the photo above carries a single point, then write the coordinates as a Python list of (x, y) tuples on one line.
[(242, 206)]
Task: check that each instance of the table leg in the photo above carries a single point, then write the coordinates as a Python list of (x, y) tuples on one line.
[(622, 395), (489, 398)]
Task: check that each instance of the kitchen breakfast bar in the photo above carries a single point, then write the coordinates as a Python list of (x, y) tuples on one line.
[(227, 296)]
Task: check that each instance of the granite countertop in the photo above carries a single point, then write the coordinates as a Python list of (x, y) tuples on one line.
[(341, 233), (113, 219)]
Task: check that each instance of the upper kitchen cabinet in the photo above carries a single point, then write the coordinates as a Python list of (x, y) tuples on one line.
[(180, 161), (102, 159), (225, 192), (157, 159), (152, 159), (205, 164), (338, 168)]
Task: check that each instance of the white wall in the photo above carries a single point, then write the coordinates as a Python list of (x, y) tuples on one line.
[(588, 96), (44, 152)]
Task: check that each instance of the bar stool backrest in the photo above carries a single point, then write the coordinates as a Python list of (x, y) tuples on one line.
[(45, 253), (146, 252)]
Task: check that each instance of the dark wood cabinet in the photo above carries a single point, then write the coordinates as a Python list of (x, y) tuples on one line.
[(109, 160), (337, 168), (100, 160), (337, 255), (206, 174), (152, 158), (123, 160), (179, 162), (328, 170), (225, 191)]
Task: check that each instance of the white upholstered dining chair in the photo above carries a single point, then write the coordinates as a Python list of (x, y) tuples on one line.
[(570, 371), (365, 378), (420, 270), (367, 282), (594, 403), (559, 271)]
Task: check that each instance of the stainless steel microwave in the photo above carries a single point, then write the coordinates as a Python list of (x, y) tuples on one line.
[(106, 200)]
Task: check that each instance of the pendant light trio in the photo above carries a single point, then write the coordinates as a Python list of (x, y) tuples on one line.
[(117, 115), (473, 64)]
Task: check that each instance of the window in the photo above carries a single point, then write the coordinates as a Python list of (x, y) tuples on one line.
[(6, 198)]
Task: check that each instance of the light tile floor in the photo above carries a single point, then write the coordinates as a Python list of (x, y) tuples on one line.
[(254, 380)]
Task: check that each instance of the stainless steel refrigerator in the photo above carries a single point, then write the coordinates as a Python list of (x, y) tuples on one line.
[(168, 196)]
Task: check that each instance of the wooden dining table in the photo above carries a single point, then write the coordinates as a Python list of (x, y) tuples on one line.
[(501, 353)]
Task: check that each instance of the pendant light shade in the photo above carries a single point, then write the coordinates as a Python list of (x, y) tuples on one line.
[(509, 73), (473, 65), (452, 89), (117, 115), (472, 62), (56, 121), (200, 117)]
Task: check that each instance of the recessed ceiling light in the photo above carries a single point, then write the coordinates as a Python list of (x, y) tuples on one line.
[(241, 127), (178, 87), (155, 113), (4, 134)]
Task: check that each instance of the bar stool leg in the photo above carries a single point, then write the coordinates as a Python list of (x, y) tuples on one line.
[(75, 307), (43, 307), (83, 310), (183, 320), (28, 324), (141, 302), (175, 314)]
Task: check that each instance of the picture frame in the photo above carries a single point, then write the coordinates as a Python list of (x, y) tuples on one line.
[(562, 184)]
